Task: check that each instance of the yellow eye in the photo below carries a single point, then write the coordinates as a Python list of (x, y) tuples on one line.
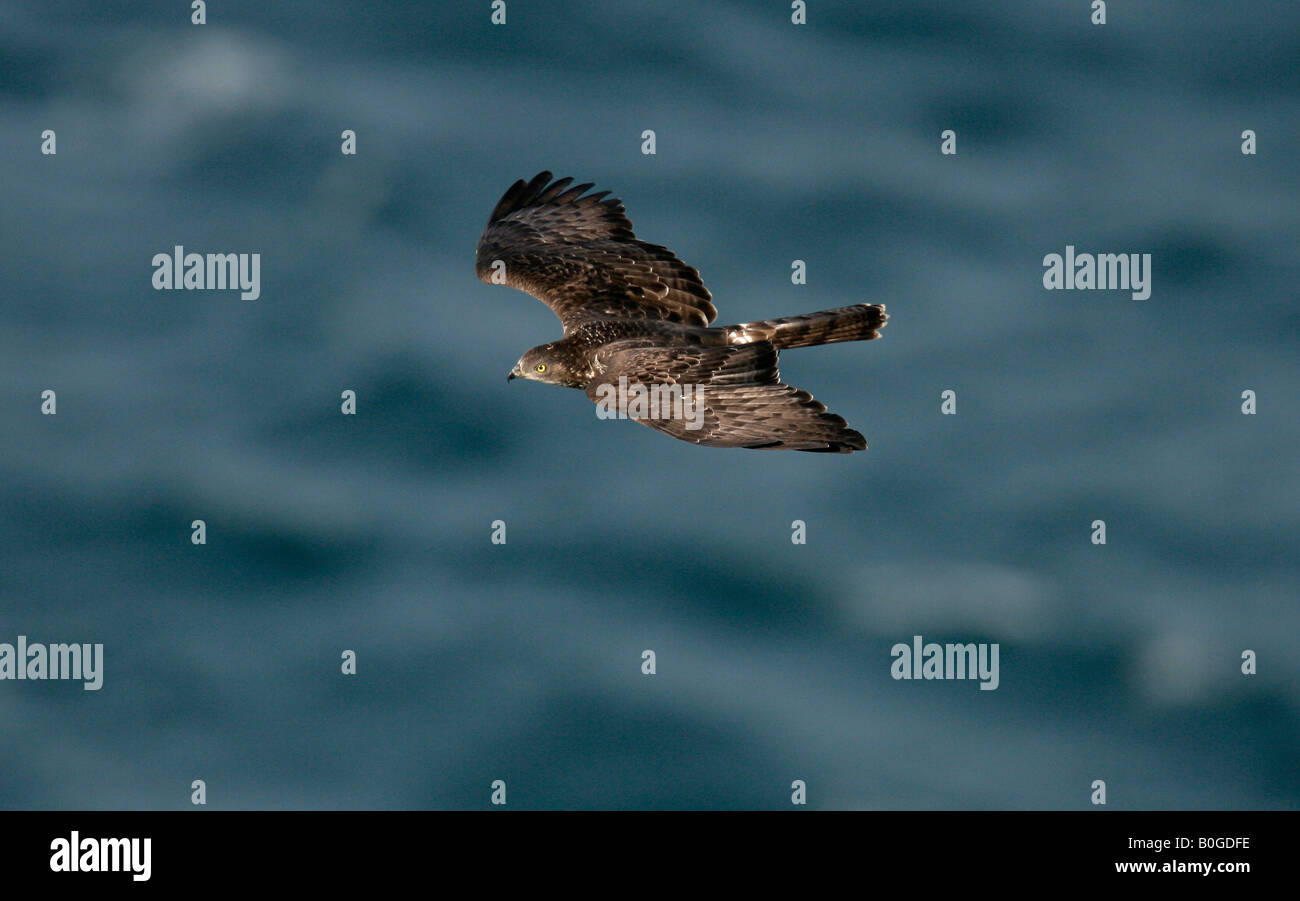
[(541, 367)]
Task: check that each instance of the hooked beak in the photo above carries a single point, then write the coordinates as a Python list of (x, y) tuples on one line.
[(514, 373)]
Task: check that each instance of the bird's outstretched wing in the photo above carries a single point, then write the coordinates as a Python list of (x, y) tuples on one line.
[(576, 253), (745, 404)]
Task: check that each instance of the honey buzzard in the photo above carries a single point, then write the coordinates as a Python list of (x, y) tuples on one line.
[(635, 315)]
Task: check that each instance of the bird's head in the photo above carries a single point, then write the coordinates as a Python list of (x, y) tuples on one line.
[(544, 364)]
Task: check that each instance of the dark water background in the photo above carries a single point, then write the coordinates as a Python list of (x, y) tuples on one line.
[(775, 143)]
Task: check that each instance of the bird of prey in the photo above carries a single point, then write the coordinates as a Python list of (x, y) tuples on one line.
[(634, 314)]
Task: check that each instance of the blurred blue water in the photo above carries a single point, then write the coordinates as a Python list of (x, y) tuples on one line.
[(522, 662)]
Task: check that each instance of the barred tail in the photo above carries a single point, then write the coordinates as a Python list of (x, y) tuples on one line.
[(856, 323)]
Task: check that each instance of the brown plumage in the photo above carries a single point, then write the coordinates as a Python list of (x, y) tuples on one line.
[(634, 314)]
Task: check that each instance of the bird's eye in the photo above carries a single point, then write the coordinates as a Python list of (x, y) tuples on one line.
[(541, 367)]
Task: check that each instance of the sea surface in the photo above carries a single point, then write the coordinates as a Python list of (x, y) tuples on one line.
[(523, 662)]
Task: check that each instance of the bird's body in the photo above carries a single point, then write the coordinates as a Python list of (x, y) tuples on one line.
[(634, 313)]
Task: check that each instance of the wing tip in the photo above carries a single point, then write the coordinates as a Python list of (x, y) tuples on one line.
[(849, 442)]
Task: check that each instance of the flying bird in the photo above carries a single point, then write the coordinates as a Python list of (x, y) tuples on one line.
[(635, 315)]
